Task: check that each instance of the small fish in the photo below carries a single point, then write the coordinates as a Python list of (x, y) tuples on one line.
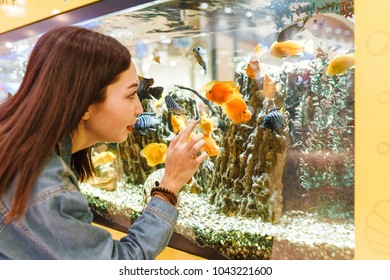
[(156, 92), (145, 121), (156, 56), (273, 120), (145, 91), (102, 158), (207, 124), (201, 57), (340, 64), (155, 153), (179, 123), (173, 106), (332, 27), (210, 146), (221, 92), (269, 87), (291, 30), (286, 49), (236, 110), (253, 69)]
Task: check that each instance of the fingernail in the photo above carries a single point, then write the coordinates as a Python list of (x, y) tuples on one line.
[(196, 118), (177, 132)]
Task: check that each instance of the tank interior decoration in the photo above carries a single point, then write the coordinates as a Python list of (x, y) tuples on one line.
[(273, 84)]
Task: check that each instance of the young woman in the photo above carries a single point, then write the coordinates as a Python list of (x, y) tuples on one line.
[(80, 88)]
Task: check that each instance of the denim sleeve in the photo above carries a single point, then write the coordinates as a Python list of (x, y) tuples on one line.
[(67, 233)]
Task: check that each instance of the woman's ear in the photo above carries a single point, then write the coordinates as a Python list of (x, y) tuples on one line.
[(87, 115)]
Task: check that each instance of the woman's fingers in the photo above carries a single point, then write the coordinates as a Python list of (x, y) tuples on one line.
[(174, 141), (202, 157), (195, 144), (185, 134)]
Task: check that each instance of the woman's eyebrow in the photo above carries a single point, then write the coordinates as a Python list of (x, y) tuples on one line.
[(133, 85)]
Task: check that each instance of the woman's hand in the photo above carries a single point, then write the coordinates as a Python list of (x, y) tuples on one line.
[(182, 158)]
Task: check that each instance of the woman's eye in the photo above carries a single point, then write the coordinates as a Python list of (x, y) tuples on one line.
[(132, 96)]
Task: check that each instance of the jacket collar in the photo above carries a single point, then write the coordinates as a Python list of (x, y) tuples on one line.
[(64, 149)]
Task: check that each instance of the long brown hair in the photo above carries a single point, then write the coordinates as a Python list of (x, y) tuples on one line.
[(68, 70)]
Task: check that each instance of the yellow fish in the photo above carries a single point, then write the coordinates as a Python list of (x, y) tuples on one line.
[(210, 146), (269, 87), (236, 110), (155, 153), (102, 158), (207, 124), (221, 92), (156, 56), (340, 64), (179, 123), (286, 48)]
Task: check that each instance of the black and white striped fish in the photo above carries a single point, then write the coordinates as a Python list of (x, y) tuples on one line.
[(173, 106), (273, 120), (145, 121)]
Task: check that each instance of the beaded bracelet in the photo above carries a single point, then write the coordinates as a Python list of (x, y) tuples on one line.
[(168, 194)]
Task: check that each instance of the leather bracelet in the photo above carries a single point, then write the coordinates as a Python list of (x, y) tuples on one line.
[(168, 194)]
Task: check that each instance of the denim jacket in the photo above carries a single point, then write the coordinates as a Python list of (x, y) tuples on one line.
[(57, 222)]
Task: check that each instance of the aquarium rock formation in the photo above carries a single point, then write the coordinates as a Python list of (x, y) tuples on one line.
[(248, 174)]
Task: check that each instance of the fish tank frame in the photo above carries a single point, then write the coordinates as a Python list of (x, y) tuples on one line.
[(280, 193)]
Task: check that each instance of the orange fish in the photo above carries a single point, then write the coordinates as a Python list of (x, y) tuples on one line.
[(286, 48), (207, 124), (253, 69), (210, 146), (179, 123), (236, 110), (221, 92), (155, 153), (269, 87)]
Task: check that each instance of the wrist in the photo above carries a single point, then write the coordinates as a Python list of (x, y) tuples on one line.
[(170, 185), (164, 193)]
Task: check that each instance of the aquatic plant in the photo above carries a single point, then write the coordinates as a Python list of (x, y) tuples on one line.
[(236, 244), (342, 7), (324, 132)]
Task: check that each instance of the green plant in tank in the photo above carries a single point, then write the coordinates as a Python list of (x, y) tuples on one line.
[(235, 244), (324, 127), (96, 203)]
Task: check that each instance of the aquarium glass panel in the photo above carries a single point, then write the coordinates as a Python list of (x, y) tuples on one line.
[(273, 84)]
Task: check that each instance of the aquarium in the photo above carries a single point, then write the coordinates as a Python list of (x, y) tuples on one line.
[(273, 84)]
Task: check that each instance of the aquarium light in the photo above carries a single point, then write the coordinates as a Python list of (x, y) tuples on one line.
[(204, 6), (248, 14), (228, 10)]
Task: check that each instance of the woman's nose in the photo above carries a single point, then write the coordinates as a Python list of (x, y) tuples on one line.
[(139, 110)]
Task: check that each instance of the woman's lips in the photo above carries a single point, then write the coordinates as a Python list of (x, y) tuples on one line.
[(129, 128)]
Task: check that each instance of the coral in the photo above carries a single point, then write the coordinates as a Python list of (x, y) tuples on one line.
[(248, 173)]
